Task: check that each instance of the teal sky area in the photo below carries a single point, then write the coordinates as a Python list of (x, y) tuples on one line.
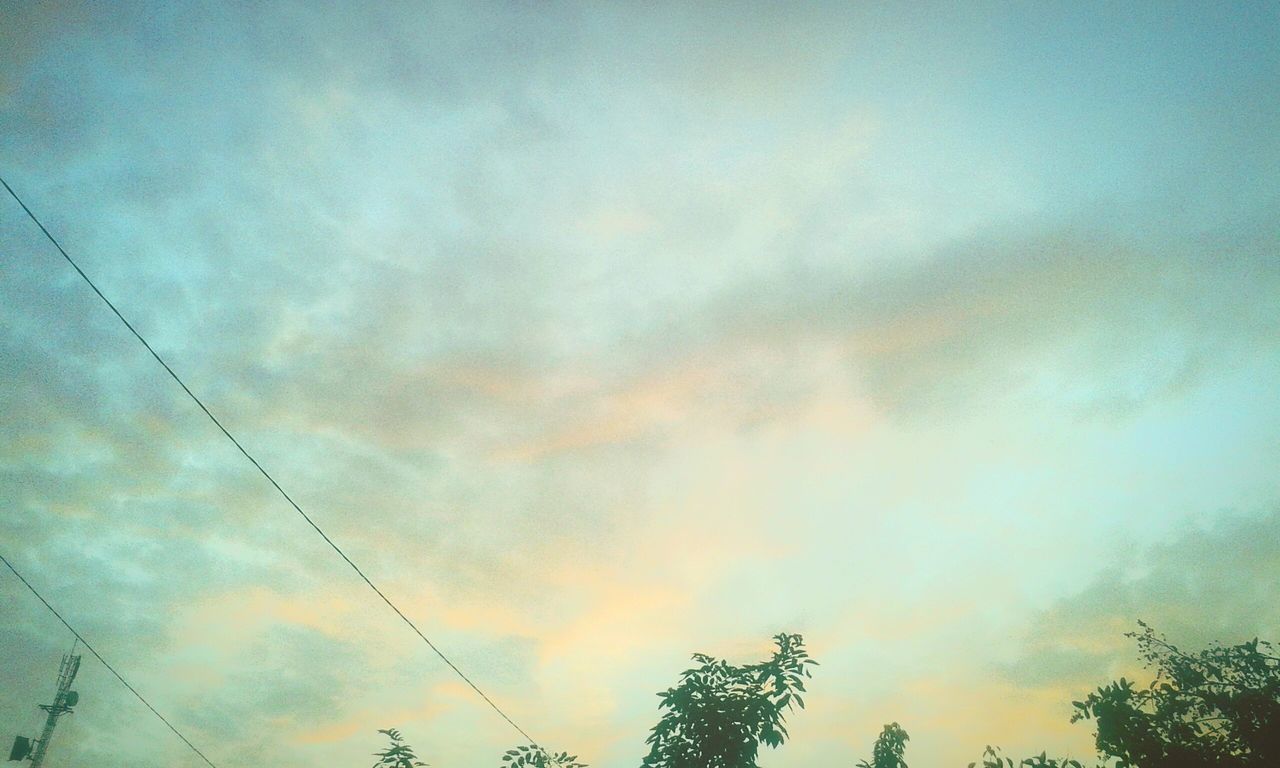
[(601, 334)]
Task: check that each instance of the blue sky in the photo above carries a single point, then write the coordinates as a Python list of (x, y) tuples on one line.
[(605, 334)]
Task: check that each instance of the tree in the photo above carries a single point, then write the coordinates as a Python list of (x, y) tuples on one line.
[(890, 746), (991, 758), (1219, 707), (720, 714), (397, 754), (532, 756)]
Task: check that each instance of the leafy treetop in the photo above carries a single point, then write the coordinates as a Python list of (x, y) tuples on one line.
[(991, 758), (889, 749), (536, 757), (719, 713), (397, 754), (1219, 707)]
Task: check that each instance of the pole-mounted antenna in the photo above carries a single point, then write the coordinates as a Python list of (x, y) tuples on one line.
[(63, 701)]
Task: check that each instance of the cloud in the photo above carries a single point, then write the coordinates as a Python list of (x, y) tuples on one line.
[(1095, 322), (1210, 584)]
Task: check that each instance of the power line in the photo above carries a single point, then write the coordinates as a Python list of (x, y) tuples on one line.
[(263, 471), (105, 663)]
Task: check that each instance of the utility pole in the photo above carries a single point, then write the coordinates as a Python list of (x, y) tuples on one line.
[(63, 701)]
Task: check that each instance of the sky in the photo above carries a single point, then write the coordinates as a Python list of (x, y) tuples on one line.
[(947, 336)]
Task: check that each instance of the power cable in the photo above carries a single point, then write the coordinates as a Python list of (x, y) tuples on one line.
[(260, 468), (105, 663)]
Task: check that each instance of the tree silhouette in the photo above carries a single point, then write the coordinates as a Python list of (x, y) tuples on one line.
[(536, 757), (1216, 708), (720, 714), (397, 754), (890, 747), (1219, 707), (991, 758)]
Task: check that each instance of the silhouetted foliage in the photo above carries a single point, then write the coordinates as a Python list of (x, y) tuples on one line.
[(890, 747), (1219, 707), (991, 758), (397, 754), (720, 714), (537, 757)]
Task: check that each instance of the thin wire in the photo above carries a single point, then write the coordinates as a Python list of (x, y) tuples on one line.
[(263, 471), (80, 639)]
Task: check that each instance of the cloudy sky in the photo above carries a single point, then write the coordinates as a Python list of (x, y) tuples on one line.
[(601, 334)]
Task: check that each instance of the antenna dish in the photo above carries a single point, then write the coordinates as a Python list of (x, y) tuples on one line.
[(72, 699)]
